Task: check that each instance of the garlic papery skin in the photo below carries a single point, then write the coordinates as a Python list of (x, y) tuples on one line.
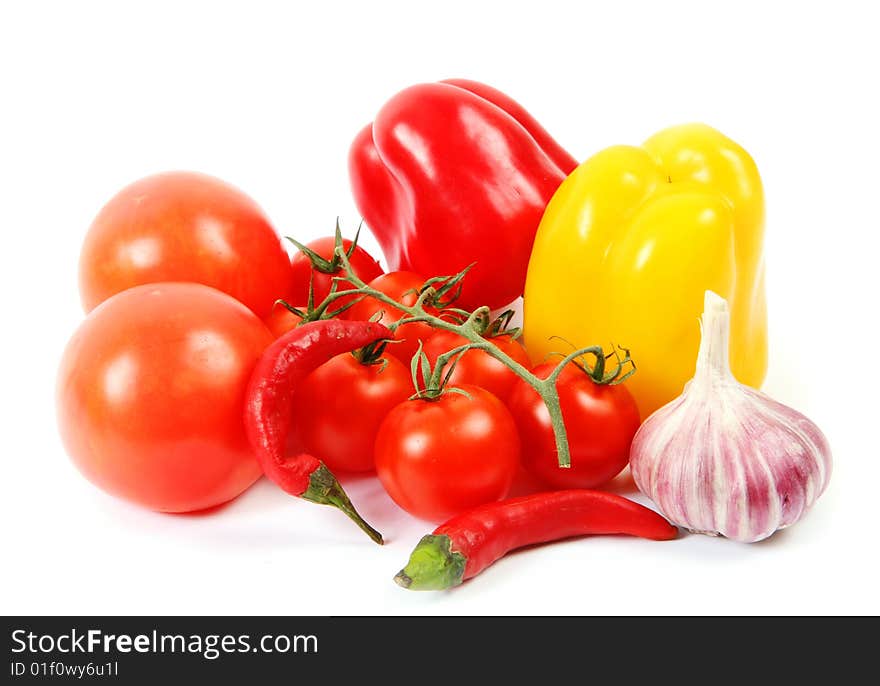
[(724, 458)]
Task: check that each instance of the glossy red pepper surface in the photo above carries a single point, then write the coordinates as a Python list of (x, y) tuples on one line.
[(467, 544), (455, 172), (269, 403)]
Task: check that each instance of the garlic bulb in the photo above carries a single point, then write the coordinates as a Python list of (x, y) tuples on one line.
[(724, 458)]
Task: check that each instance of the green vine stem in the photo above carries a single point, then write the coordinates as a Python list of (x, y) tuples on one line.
[(469, 329)]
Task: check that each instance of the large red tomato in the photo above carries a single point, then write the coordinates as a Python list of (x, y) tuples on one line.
[(150, 396), (437, 458), (338, 409), (182, 226), (600, 421)]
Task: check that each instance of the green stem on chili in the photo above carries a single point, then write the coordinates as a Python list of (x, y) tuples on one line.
[(468, 543)]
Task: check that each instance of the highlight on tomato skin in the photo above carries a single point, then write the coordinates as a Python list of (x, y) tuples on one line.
[(150, 396), (184, 226)]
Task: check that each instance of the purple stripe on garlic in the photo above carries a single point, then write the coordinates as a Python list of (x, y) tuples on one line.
[(724, 458)]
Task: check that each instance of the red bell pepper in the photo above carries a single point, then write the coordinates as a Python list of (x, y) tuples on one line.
[(456, 172)]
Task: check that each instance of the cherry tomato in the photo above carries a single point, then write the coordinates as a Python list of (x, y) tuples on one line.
[(281, 320), (478, 367), (340, 405), (437, 458), (182, 226), (150, 396), (362, 263), (403, 287), (600, 421)]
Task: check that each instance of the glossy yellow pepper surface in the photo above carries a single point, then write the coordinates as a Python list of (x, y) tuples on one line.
[(630, 242)]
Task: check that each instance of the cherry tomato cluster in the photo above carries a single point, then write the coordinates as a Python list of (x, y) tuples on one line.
[(186, 284)]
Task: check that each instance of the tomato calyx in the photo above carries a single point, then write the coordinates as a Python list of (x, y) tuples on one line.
[(333, 265), (482, 324), (373, 353), (597, 372), (432, 383), (313, 313), (500, 326), (445, 290), (437, 294), (477, 321)]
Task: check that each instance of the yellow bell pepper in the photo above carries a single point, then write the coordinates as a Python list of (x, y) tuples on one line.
[(630, 242)]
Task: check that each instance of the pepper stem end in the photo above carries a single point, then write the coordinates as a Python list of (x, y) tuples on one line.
[(325, 489), (432, 566)]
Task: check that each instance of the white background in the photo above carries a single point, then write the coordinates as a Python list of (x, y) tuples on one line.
[(268, 97)]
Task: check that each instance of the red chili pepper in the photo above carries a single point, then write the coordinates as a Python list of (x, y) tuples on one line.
[(456, 172), (268, 408), (468, 543)]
